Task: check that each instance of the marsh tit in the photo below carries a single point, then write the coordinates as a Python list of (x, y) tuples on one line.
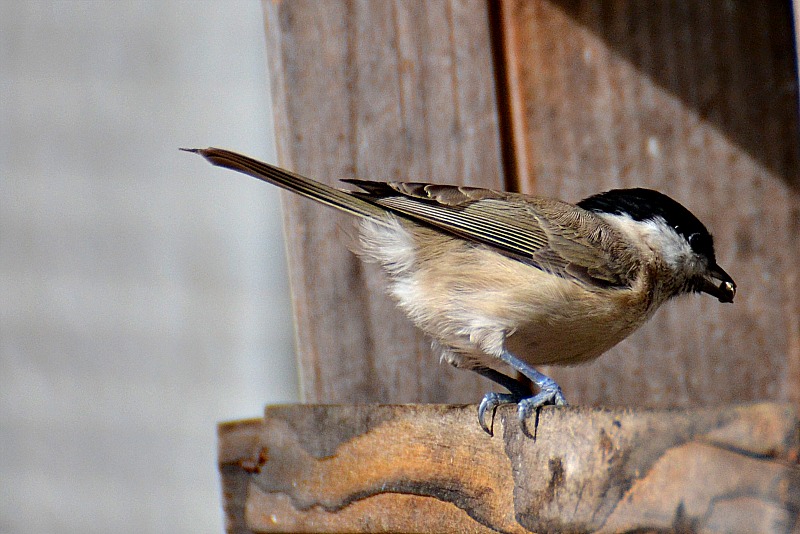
[(505, 278)]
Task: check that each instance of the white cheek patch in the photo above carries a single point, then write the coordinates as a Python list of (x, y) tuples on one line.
[(673, 249)]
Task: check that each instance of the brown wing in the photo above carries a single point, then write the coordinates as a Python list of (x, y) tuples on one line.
[(552, 235), (549, 234)]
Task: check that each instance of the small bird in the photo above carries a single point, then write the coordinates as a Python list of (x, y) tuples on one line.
[(505, 278)]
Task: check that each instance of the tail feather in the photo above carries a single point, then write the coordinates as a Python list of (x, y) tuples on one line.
[(291, 181)]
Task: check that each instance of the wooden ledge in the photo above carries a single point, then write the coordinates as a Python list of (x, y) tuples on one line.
[(430, 468)]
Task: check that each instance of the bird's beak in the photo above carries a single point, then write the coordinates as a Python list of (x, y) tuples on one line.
[(718, 283)]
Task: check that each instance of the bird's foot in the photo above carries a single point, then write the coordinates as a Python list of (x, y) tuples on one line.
[(550, 394), (490, 403)]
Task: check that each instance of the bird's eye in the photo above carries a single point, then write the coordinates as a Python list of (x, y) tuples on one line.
[(698, 242)]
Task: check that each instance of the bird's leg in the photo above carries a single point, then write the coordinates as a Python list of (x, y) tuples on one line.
[(492, 400), (549, 391)]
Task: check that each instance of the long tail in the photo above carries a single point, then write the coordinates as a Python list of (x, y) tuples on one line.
[(290, 181)]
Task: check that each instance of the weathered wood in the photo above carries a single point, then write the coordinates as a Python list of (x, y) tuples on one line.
[(696, 99), (699, 100), (381, 90), (430, 468), (796, 13)]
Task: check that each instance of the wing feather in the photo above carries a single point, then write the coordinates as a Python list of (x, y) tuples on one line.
[(549, 234)]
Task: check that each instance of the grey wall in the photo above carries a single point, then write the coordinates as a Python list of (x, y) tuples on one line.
[(142, 292)]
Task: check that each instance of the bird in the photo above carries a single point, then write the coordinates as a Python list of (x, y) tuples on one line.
[(500, 279)]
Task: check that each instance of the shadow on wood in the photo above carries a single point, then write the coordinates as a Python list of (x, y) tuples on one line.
[(430, 468)]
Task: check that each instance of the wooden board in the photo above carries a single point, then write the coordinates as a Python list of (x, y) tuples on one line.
[(699, 100), (696, 99), (430, 468), (383, 90)]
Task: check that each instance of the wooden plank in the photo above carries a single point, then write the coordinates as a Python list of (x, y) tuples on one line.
[(699, 100), (383, 90), (796, 13), (430, 468)]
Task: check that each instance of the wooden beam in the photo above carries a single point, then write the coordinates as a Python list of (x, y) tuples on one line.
[(430, 468)]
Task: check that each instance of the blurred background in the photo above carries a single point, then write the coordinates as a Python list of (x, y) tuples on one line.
[(143, 293)]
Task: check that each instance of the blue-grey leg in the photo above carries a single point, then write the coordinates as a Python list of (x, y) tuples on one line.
[(492, 400), (549, 391)]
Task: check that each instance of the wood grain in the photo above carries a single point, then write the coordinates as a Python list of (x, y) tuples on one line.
[(429, 468), (695, 99), (699, 100), (383, 90)]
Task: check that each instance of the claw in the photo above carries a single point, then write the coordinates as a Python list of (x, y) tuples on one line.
[(549, 392), (550, 395), (490, 402), (526, 405)]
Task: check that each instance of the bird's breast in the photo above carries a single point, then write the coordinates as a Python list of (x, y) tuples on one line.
[(581, 323), (474, 300)]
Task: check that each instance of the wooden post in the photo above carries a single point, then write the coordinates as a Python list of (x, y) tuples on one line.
[(430, 468), (696, 99), (382, 91)]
